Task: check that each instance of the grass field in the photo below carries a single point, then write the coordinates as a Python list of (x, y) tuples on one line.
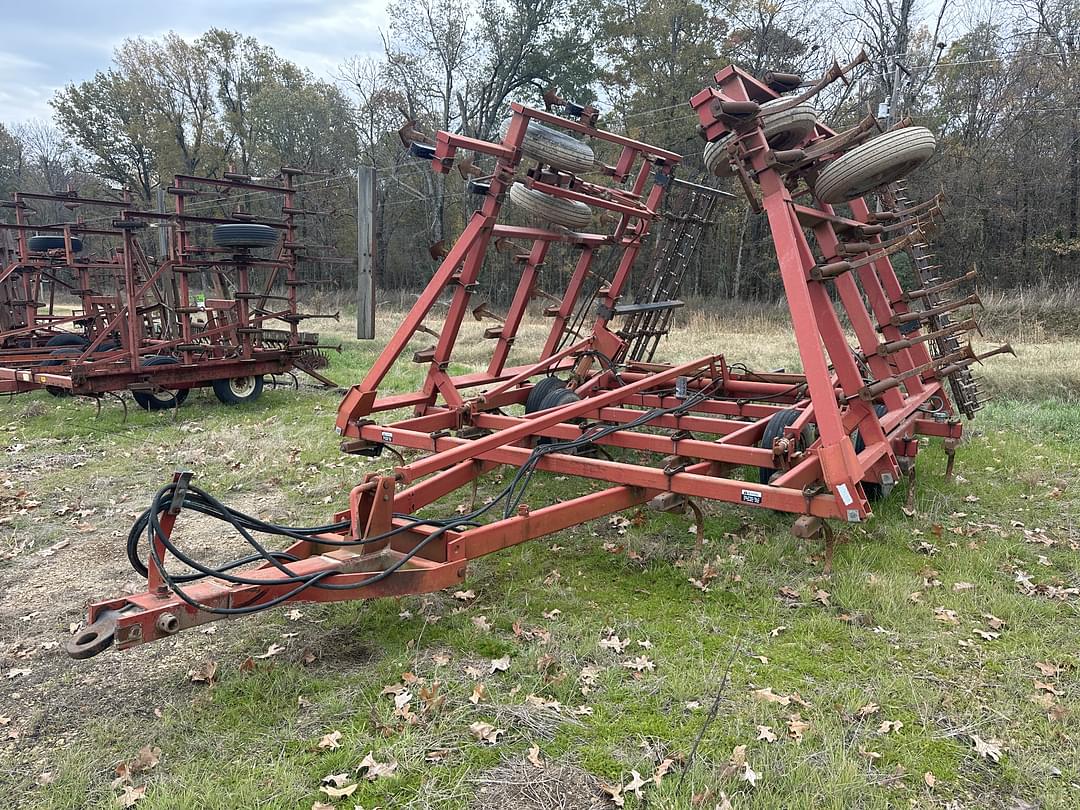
[(937, 666)]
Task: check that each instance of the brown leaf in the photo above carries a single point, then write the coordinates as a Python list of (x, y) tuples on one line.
[(1047, 687), (131, 795), (662, 770), (822, 597), (777, 631), (339, 792), (614, 794), (146, 759), (481, 622), (273, 649), (929, 779), (867, 710), (204, 673), (640, 664), (797, 727), (1047, 669), (485, 732), (331, 740), (989, 750), (889, 726), (534, 756), (376, 770), (438, 755), (766, 733), (464, 596), (635, 784), (769, 696), (500, 664), (724, 803)]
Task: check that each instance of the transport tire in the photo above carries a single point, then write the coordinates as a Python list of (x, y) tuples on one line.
[(774, 429), (43, 243), (876, 163), (558, 150), (70, 351), (161, 400), (540, 392), (67, 340), (245, 236), (568, 213), (873, 489), (782, 130), (238, 390)]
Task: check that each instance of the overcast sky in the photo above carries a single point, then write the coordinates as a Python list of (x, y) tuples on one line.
[(46, 45)]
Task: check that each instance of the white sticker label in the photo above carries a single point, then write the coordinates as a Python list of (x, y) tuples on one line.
[(751, 496), (387, 436), (845, 495)]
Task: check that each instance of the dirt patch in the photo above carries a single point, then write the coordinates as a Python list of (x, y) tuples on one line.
[(521, 785), (56, 569)]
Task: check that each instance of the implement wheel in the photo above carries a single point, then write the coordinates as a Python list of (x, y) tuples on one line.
[(160, 400), (70, 352), (238, 390), (874, 164), (557, 149), (245, 236), (782, 130), (568, 213)]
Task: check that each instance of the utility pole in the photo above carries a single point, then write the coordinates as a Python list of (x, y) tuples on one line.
[(365, 253)]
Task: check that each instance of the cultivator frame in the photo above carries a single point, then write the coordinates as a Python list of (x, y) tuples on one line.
[(132, 306), (815, 442)]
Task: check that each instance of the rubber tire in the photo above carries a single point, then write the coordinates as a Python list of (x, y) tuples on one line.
[(540, 392), (568, 213), (874, 164), (558, 397), (70, 350), (107, 346), (774, 429), (223, 390), (152, 402), (245, 236), (42, 243), (872, 489), (67, 340), (782, 130), (557, 149)]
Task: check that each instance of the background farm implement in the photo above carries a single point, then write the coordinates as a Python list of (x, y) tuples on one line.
[(92, 306), (590, 402)]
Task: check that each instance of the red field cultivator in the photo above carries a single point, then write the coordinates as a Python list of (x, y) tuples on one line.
[(85, 309), (589, 402)]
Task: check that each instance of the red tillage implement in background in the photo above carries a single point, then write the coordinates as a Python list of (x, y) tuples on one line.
[(816, 444)]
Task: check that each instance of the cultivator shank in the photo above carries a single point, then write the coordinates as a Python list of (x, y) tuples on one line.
[(588, 402)]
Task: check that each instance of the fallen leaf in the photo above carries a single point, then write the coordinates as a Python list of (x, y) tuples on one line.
[(534, 756), (929, 779), (725, 802), (479, 692), (273, 649), (1047, 669), (769, 696), (822, 597), (205, 673), (635, 784), (777, 631), (293, 615), (331, 740), (322, 806), (481, 622), (870, 755), (339, 792), (889, 726), (614, 794), (46, 778), (131, 795), (797, 727), (376, 770), (662, 770), (500, 664), (1047, 687), (614, 643), (640, 664), (989, 750), (946, 616), (767, 734), (963, 586), (440, 659), (146, 759), (464, 596), (485, 732), (551, 614), (867, 710), (438, 755)]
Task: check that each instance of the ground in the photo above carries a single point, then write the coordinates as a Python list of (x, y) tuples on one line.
[(937, 666)]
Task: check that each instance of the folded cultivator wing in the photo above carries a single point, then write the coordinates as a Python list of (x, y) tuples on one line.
[(86, 307), (588, 401)]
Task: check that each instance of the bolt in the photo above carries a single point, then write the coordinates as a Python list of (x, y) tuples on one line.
[(168, 624)]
